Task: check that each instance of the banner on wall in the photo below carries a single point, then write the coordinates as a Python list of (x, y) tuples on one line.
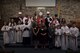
[(41, 3)]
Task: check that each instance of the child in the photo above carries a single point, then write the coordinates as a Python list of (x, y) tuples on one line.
[(26, 30), (35, 35), (19, 33), (57, 37), (12, 32), (74, 32), (64, 38), (51, 34), (43, 36), (5, 30)]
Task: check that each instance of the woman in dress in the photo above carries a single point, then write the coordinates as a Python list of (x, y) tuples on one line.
[(43, 36), (35, 36)]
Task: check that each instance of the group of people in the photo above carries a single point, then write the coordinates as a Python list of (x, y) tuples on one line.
[(41, 30)]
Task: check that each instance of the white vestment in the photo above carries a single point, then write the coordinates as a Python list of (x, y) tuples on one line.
[(64, 38), (12, 34), (26, 33), (19, 34), (57, 37), (74, 32), (5, 30)]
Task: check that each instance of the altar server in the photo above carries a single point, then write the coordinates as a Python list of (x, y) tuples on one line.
[(74, 32), (64, 38), (26, 32), (12, 32), (5, 30), (19, 32), (57, 36)]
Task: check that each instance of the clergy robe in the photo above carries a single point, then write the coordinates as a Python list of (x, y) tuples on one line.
[(39, 19), (64, 38), (5, 30), (74, 32), (56, 22), (26, 33), (48, 20), (57, 37)]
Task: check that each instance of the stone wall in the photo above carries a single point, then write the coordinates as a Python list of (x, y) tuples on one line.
[(10, 8), (70, 9)]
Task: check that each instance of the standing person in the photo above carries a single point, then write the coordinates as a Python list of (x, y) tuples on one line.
[(40, 19), (48, 19), (5, 30), (43, 36), (62, 21), (30, 20), (26, 30), (20, 17), (12, 31), (74, 32), (58, 35), (64, 38), (51, 36), (19, 32), (55, 21), (35, 36), (58, 18), (34, 22)]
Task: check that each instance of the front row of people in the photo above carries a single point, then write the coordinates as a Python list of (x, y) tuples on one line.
[(59, 36)]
